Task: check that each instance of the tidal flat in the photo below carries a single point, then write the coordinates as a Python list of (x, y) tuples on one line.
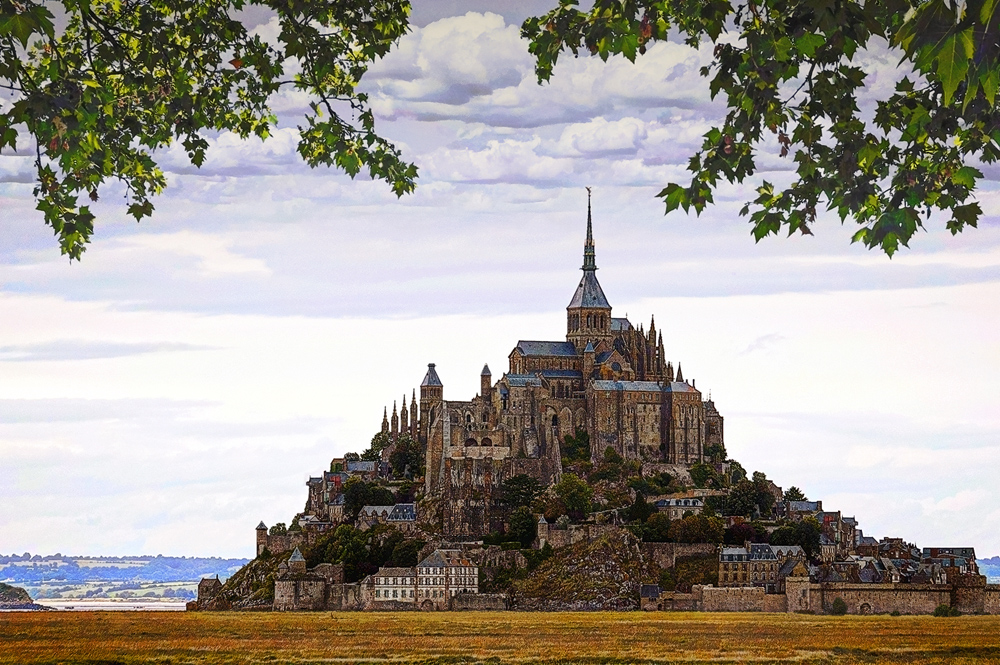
[(598, 638)]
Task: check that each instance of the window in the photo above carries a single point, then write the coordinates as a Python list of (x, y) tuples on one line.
[(377, 593)]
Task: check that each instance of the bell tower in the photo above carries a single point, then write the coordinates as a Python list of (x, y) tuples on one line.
[(588, 316)]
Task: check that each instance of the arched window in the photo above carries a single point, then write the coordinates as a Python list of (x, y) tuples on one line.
[(468, 419), (471, 442), (487, 441), (589, 321), (555, 421)]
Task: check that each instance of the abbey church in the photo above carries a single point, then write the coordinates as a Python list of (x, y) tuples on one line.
[(607, 377)]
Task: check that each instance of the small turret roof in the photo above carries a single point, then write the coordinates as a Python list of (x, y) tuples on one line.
[(486, 371), (262, 526), (431, 378), (296, 556)]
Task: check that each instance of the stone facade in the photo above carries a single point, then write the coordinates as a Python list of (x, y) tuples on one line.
[(608, 378), (969, 594)]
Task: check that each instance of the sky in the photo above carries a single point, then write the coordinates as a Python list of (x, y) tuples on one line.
[(181, 382)]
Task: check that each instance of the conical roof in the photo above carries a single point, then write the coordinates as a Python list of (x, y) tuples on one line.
[(431, 378), (486, 371), (296, 556), (589, 293)]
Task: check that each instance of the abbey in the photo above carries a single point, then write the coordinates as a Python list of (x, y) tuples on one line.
[(607, 377)]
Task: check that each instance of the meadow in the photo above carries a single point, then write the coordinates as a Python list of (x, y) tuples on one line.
[(203, 638)]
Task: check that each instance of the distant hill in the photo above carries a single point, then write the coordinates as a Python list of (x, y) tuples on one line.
[(35, 569), (990, 568)]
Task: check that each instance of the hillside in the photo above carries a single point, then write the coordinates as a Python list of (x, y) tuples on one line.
[(12, 595), (603, 575)]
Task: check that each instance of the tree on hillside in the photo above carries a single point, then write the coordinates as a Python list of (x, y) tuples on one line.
[(793, 493), (122, 79), (786, 72), (575, 495), (520, 490)]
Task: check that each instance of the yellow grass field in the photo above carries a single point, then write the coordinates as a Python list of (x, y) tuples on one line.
[(177, 638)]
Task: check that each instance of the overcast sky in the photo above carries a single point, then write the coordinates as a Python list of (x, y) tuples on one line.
[(182, 382)]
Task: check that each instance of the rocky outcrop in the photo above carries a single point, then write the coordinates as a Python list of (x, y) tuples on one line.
[(605, 574), (16, 598)]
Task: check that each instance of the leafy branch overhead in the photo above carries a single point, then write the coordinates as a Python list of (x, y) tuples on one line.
[(786, 70), (125, 77)]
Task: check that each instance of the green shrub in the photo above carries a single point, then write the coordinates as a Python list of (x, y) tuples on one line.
[(895, 613), (943, 610), (839, 607)]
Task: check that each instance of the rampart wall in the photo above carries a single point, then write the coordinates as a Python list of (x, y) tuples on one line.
[(666, 554), (479, 602)]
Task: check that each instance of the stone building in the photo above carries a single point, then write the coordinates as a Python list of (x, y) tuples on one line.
[(757, 564), (608, 377), (318, 588), (434, 584)]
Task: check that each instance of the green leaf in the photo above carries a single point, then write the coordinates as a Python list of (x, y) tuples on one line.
[(953, 61), (966, 176), (808, 44)]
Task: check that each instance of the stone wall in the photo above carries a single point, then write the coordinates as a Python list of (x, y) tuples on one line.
[(579, 533), (880, 598), (666, 554), (991, 599), (479, 602), (731, 599), (307, 592)]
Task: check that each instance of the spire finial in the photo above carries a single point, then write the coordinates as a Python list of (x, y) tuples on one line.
[(589, 261)]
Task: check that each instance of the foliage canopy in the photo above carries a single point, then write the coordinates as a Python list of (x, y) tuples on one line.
[(787, 71), (126, 77)]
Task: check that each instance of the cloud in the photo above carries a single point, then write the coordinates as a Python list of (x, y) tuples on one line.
[(79, 349), (212, 252), (763, 342)]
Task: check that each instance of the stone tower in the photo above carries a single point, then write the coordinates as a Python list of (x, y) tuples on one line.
[(588, 316), (261, 537), (431, 395), (485, 382)]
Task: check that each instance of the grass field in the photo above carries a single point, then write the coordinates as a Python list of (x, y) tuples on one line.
[(451, 638)]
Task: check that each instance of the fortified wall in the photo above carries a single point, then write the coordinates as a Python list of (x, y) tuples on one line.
[(969, 595)]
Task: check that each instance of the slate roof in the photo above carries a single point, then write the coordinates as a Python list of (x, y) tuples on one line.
[(444, 559), (562, 374), (431, 378), (646, 386), (522, 380), (618, 325), (589, 293), (403, 512), (540, 348), (803, 506), (396, 572), (649, 591), (296, 556), (486, 371), (361, 465), (262, 526)]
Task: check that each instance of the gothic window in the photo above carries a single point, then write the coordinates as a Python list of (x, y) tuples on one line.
[(468, 419)]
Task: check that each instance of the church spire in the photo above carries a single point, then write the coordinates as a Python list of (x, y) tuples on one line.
[(589, 260)]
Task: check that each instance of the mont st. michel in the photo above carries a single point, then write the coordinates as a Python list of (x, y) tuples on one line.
[(590, 475)]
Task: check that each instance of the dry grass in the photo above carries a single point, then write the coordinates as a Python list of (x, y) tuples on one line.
[(452, 638)]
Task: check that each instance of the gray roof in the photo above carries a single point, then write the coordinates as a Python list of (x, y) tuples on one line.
[(522, 380), (431, 378), (403, 512), (262, 526), (645, 386), (618, 325), (535, 348), (486, 371), (649, 591), (296, 556), (803, 506), (589, 293), (562, 374), (360, 465), (396, 572)]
